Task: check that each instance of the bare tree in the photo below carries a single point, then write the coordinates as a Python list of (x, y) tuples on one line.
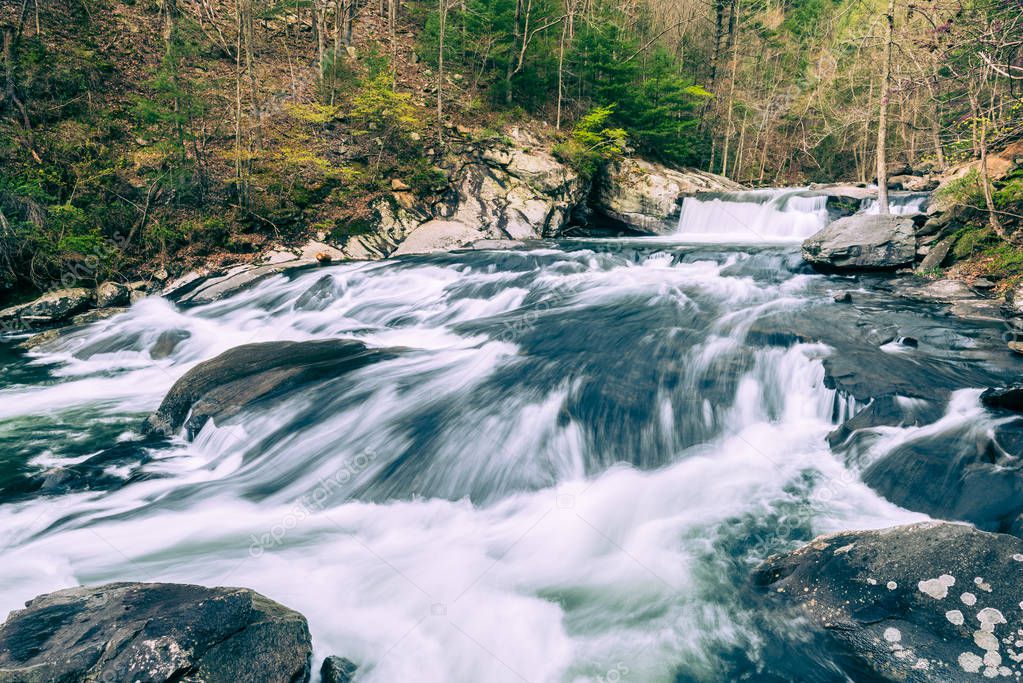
[(882, 119)]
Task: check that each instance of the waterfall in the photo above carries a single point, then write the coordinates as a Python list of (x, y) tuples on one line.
[(899, 203), (775, 215)]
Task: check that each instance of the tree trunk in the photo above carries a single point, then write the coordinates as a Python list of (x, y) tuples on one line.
[(985, 181), (882, 120), (561, 71), (442, 19)]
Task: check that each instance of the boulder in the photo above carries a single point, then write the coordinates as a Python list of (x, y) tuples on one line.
[(1004, 398), (111, 294), (647, 196), (51, 308), (252, 373), (337, 670), (1014, 301), (437, 235), (155, 632), (392, 221), (167, 343), (911, 183), (929, 602), (862, 242), (937, 254), (968, 474)]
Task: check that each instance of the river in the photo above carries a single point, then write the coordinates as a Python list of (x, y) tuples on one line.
[(566, 472)]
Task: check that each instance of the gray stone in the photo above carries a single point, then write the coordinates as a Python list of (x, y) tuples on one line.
[(1005, 398), (928, 602), (76, 323), (337, 670), (161, 633), (1014, 301), (237, 279), (937, 255), (221, 387), (863, 242), (111, 294), (438, 235), (52, 307), (183, 285)]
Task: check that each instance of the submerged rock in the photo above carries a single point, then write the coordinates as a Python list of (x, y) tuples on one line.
[(155, 632), (647, 196), (969, 475), (923, 602), (245, 375), (863, 241), (76, 323)]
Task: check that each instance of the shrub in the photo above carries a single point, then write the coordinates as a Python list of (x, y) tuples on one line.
[(592, 143)]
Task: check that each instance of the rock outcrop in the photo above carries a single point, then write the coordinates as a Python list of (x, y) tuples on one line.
[(438, 236), (924, 602), (647, 197), (863, 242), (249, 374), (157, 632), (508, 188)]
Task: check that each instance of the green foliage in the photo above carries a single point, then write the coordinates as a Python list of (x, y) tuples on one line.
[(379, 109), (652, 102), (425, 179), (592, 142), (965, 190), (972, 239), (1010, 194)]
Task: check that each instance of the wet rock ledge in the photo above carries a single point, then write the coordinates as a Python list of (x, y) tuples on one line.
[(155, 632), (924, 602)]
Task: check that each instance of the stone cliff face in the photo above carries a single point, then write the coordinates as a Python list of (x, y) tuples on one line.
[(508, 189)]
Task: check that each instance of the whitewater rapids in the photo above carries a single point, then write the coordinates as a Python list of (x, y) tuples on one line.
[(565, 475)]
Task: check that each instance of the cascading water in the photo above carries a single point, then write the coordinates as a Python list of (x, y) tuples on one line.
[(899, 203), (754, 216), (564, 473)]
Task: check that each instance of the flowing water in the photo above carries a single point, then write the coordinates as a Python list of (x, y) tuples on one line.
[(565, 473), (768, 215)]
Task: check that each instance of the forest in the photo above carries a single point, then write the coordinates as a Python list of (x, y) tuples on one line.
[(136, 133)]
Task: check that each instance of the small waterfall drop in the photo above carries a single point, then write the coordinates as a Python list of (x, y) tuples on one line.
[(771, 215), (899, 203)]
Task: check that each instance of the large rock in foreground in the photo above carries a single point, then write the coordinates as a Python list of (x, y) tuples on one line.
[(245, 375), (924, 602), (863, 241), (647, 196), (154, 632)]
